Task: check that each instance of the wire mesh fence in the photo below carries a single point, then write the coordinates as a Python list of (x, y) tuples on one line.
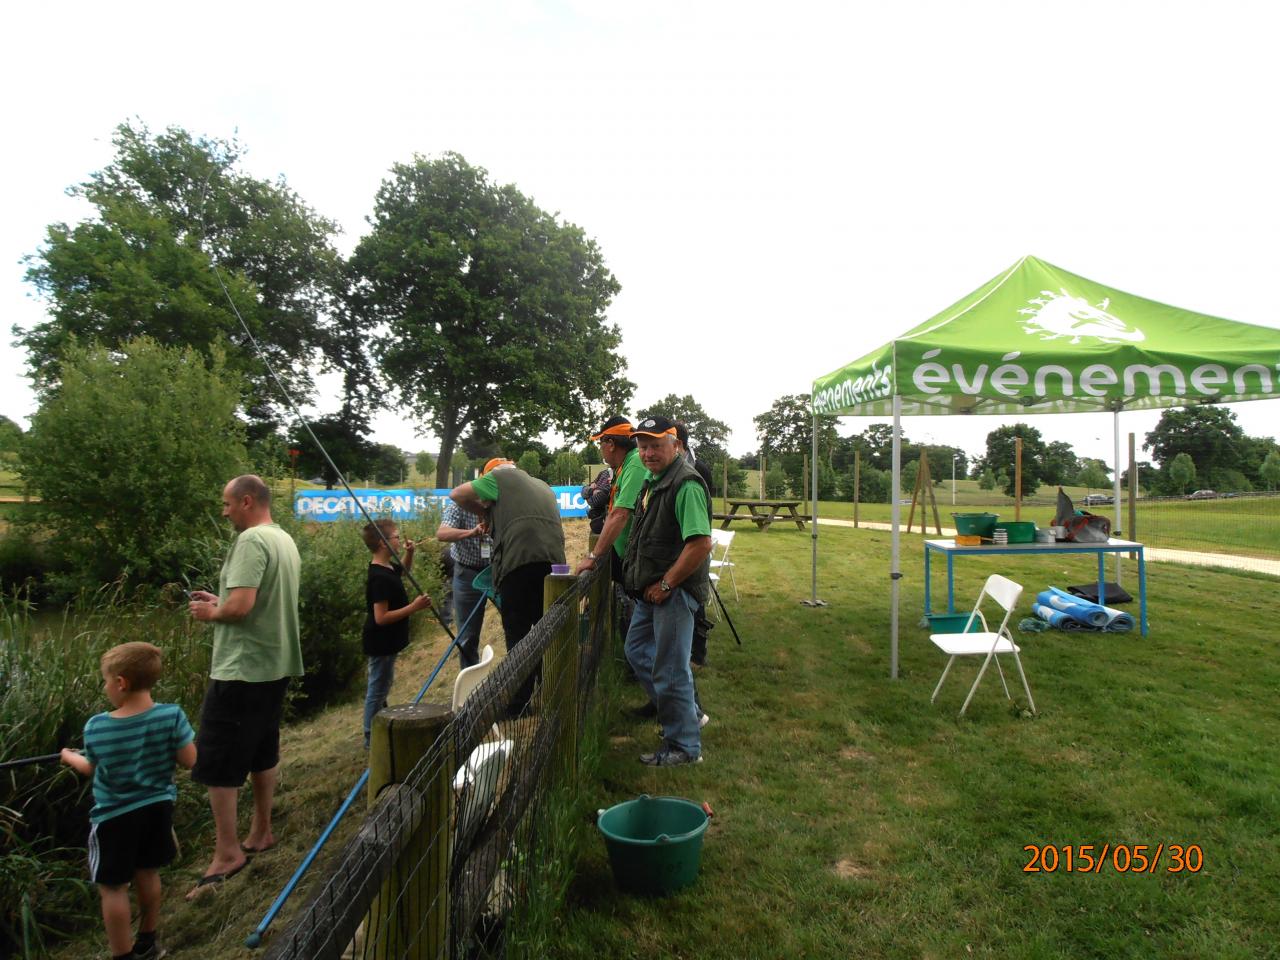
[(450, 847)]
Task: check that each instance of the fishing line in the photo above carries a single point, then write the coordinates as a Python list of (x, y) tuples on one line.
[(298, 415)]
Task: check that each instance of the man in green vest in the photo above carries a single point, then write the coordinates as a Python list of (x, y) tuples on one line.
[(665, 570), (523, 518)]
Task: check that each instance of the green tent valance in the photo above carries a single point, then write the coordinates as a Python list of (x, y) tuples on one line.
[(1038, 339)]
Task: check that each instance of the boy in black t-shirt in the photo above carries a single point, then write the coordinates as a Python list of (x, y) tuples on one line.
[(386, 628)]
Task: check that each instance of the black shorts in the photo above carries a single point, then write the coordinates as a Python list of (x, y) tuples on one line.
[(141, 839), (239, 731)]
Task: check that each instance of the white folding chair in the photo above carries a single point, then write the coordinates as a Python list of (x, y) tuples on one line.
[(986, 644), (721, 540), (470, 677)]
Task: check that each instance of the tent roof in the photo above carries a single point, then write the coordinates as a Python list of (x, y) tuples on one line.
[(1038, 339)]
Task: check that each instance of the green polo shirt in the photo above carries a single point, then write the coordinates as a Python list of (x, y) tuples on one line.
[(486, 487), (692, 512), (266, 645), (625, 493)]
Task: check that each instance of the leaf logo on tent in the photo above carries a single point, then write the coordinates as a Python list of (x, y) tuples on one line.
[(1057, 315)]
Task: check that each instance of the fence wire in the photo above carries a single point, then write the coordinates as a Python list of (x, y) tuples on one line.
[(446, 855)]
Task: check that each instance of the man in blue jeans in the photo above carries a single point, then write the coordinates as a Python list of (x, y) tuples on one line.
[(472, 551), (665, 569)]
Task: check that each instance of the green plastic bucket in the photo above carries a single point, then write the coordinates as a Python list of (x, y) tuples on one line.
[(654, 843), (953, 623), (976, 524)]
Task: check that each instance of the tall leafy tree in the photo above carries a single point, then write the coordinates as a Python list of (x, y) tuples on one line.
[(787, 427), (166, 209), (1060, 463), (495, 310), (1001, 455), (1209, 435), (1182, 472), (706, 433), (1270, 471), (344, 436), (125, 480)]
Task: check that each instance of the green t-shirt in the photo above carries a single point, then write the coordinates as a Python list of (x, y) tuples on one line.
[(265, 645), (625, 493), (486, 487), (691, 508)]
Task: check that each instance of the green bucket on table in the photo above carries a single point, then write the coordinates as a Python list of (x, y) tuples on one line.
[(654, 843), (976, 524)]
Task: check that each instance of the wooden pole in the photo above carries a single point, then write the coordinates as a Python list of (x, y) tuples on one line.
[(560, 679), (724, 484), (857, 481), (762, 469), (410, 917), (933, 501), (1017, 478), (1132, 532)]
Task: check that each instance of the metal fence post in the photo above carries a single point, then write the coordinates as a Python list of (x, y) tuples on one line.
[(560, 678), (410, 917)]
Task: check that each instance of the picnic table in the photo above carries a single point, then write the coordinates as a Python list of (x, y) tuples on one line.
[(762, 513)]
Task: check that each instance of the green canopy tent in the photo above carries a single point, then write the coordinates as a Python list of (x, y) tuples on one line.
[(1037, 339)]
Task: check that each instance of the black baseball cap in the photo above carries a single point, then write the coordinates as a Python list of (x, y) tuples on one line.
[(657, 426)]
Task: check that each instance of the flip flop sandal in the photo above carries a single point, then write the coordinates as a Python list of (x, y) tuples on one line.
[(213, 880)]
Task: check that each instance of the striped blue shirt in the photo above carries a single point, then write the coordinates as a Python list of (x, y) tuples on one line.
[(133, 758)]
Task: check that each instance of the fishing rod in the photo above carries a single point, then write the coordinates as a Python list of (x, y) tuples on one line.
[(725, 611), (306, 426), (30, 761)]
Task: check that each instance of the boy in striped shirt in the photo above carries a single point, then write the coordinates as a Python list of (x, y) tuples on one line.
[(130, 753)]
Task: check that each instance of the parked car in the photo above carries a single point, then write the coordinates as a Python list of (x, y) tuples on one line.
[(1097, 499), (1203, 495)]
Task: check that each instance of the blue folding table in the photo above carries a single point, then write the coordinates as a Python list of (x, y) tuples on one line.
[(951, 551)]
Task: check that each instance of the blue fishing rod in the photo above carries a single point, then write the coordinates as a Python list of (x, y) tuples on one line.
[(254, 939)]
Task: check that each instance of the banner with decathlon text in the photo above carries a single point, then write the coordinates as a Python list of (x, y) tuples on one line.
[(324, 506)]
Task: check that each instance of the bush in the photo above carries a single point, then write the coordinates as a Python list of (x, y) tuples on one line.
[(129, 456)]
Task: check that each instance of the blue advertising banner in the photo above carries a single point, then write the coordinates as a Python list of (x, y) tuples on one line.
[(324, 506)]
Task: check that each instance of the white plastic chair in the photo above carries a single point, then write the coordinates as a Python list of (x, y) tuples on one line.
[(722, 540), (986, 644), (470, 677)]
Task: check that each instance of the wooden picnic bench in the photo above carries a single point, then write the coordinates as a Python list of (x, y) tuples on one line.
[(762, 513)]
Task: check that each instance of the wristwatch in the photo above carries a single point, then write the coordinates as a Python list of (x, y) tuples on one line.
[(664, 586), (592, 557)]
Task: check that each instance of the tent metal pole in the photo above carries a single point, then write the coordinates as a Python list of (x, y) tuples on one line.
[(895, 573), (813, 600), (1115, 491)]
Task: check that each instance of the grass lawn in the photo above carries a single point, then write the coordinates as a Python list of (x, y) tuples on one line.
[(854, 818)]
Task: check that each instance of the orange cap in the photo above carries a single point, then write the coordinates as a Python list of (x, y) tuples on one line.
[(495, 463)]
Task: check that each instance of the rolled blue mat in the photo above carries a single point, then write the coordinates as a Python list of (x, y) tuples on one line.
[(1118, 621), (1090, 614), (1057, 618)]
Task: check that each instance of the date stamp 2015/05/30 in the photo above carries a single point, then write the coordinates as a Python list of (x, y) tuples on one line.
[(1117, 857)]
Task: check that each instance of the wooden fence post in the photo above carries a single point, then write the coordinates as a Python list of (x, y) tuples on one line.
[(857, 480), (560, 678), (410, 917)]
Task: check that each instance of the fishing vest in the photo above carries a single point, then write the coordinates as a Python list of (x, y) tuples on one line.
[(526, 523), (656, 540)]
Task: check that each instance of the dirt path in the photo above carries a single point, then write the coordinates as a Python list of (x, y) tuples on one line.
[(1193, 558)]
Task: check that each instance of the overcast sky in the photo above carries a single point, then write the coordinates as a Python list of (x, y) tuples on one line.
[(778, 188)]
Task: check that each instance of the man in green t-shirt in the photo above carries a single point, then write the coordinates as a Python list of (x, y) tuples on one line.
[(256, 649), (665, 569), (619, 452)]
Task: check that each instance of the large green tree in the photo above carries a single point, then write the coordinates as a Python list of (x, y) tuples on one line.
[(1211, 437), (787, 427), (128, 457), (494, 310), (166, 210), (1000, 456), (706, 433)]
